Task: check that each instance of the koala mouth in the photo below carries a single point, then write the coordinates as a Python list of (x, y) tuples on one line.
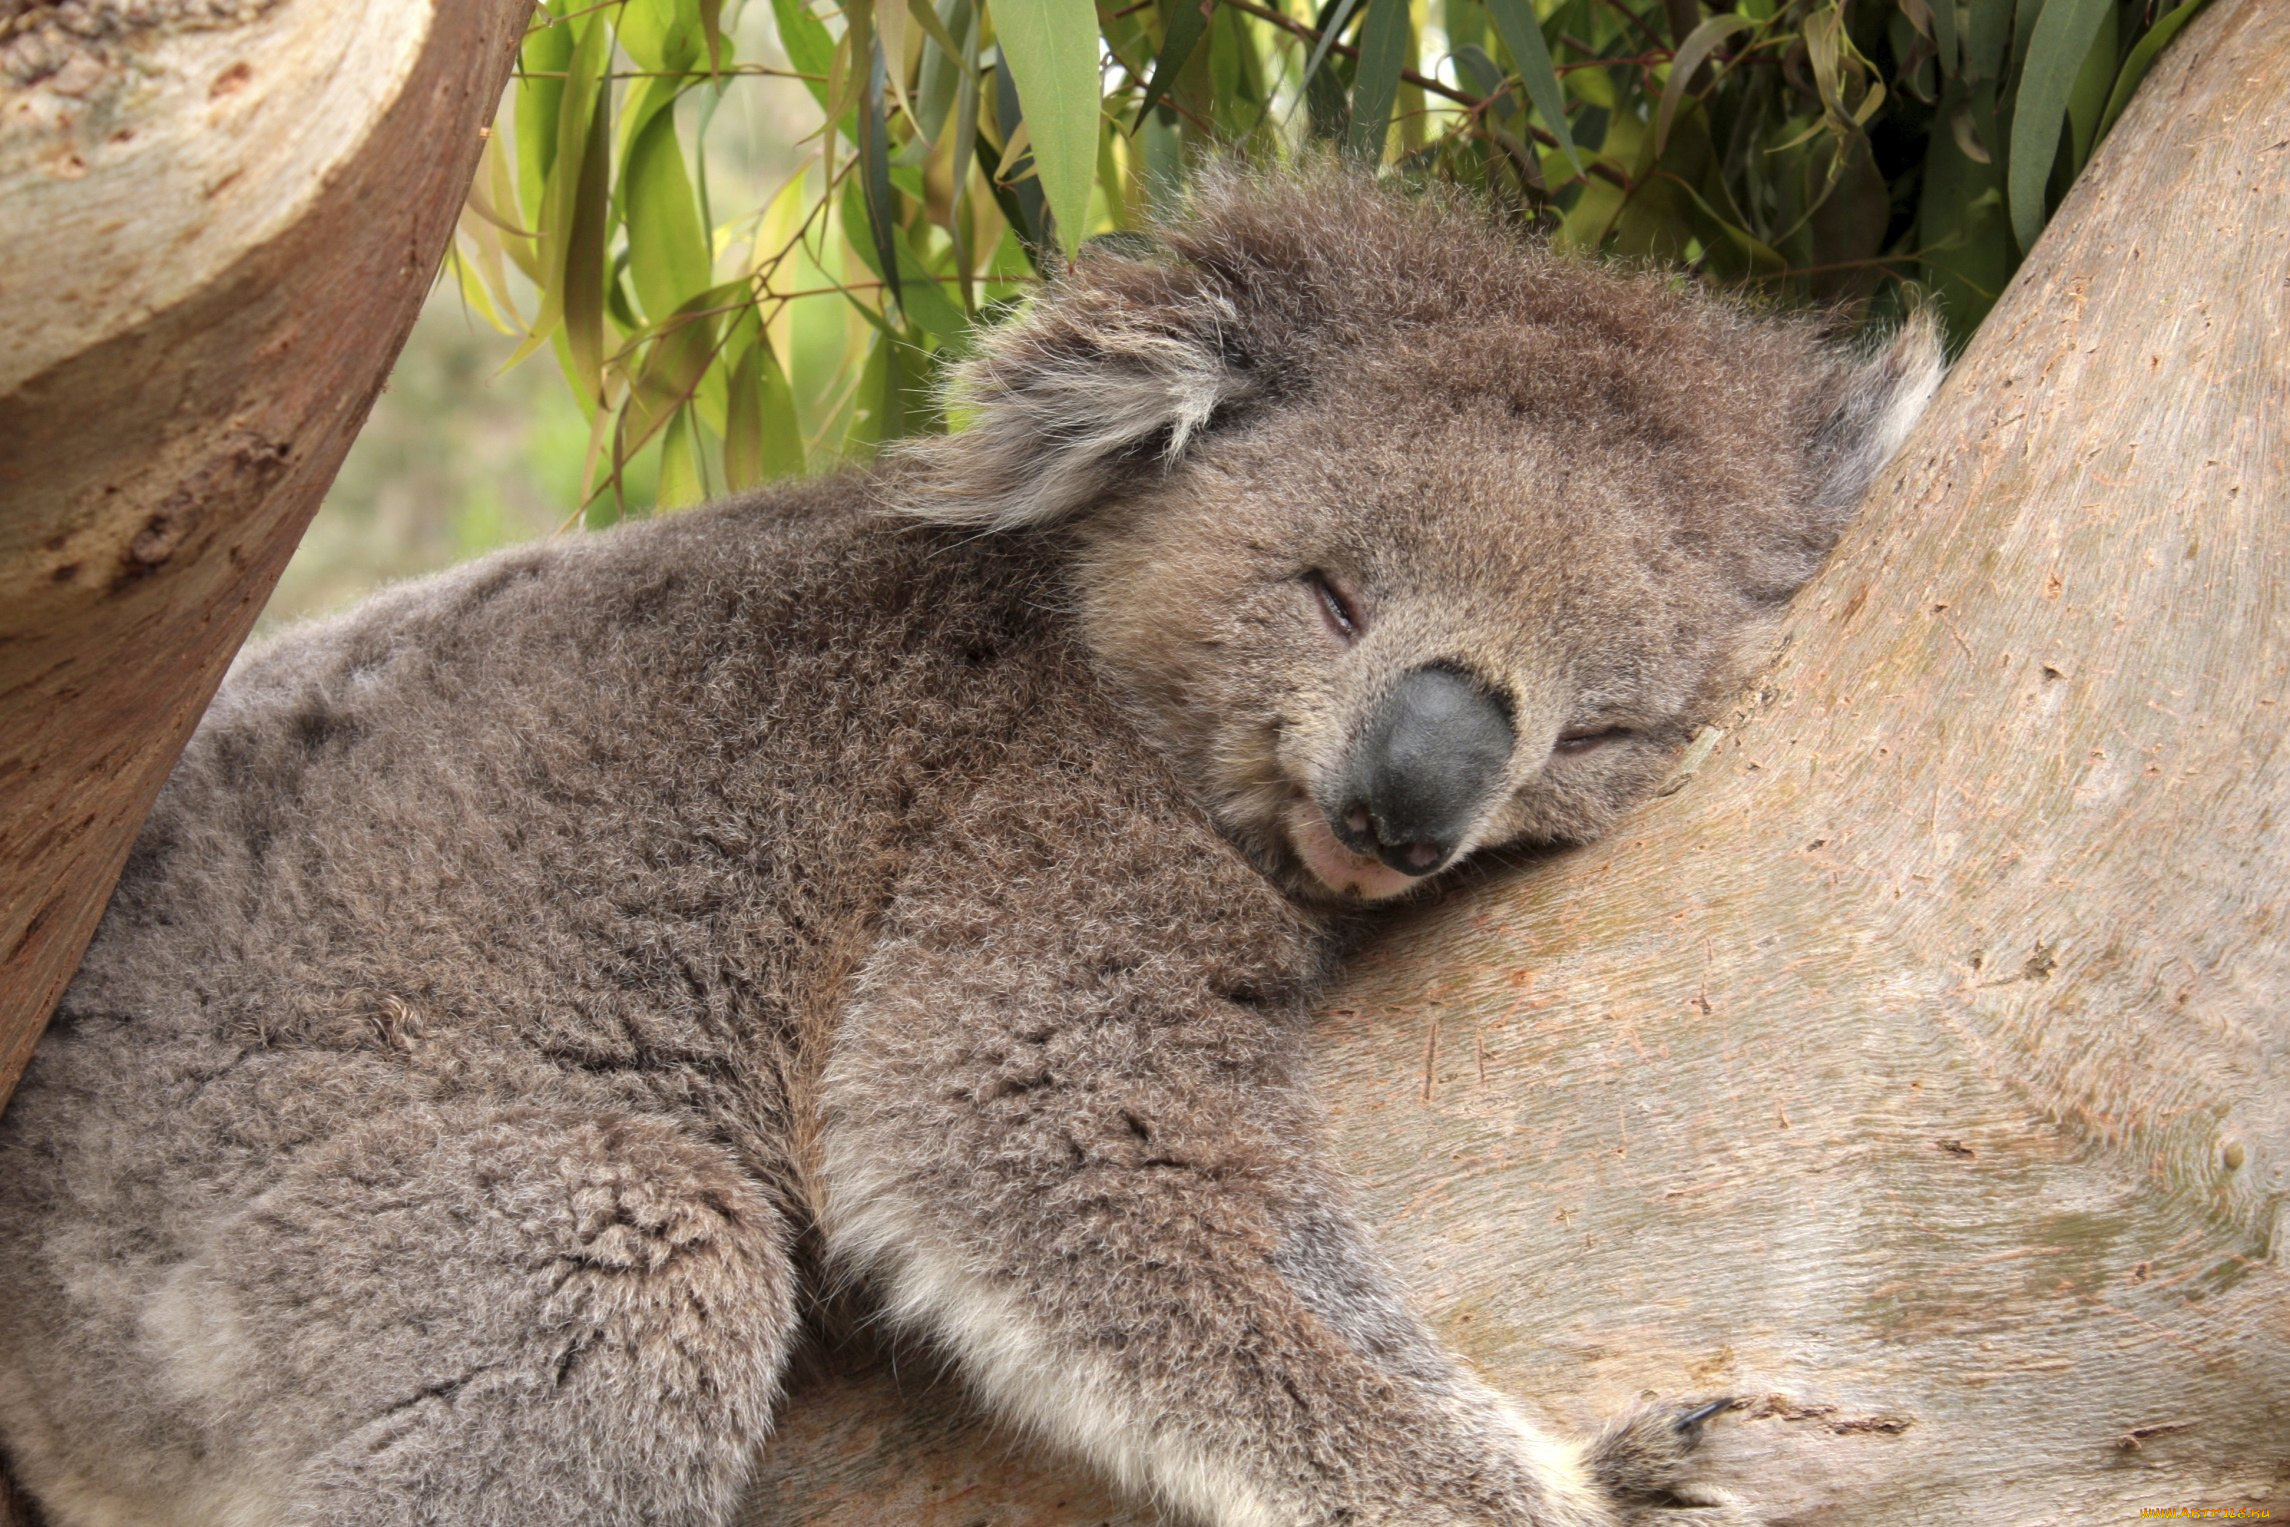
[(1415, 782), (1353, 876)]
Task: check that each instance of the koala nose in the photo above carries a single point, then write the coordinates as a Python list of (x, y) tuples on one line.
[(1422, 769)]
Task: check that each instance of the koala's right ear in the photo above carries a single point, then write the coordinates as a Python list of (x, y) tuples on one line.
[(1114, 367)]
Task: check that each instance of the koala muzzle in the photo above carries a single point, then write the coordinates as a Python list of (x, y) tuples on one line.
[(1423, 768)]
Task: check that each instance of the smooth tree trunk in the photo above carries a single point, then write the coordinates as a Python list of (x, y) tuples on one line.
[(217, 223), (1919, 1071)]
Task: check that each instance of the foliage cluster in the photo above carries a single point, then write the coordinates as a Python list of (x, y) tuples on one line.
[(1825, 150)]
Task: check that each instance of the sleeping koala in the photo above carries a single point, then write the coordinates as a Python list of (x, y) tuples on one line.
[(534, 985)]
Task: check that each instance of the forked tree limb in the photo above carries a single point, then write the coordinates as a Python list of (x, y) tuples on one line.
[(1920, 1071), (215, 234)]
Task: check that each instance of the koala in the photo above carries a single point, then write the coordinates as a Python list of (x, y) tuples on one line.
[(537, 989)]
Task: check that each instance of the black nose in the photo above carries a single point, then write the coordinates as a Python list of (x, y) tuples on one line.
[(1424, 766)]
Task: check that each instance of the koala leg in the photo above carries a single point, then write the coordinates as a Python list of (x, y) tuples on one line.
[(1070, 1142), (494, 1317)]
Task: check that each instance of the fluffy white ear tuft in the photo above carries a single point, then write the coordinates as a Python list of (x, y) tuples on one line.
[(1113, 370), (1883, 399)]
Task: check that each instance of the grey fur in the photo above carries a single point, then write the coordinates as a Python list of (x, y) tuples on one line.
[(527, 979)]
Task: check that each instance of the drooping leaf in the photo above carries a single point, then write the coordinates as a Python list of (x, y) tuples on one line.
[(668, 254), (582, 231), (2087, 98), (1183, 22), (712, 33), (1699, 44), (1531, 56), (2140, 59), (879, 205), (660, 34), (681, 482), (668, 376), (2063, 34), (810, 46), (1386, 40), (1009, 170), (1965, 241), (1988, 40), (922, 298), (761, 438), (941, 81), (542, 60), (1051, 49), (1332, 22)]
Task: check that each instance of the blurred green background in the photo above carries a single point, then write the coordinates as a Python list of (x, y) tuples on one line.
[(716, 242)]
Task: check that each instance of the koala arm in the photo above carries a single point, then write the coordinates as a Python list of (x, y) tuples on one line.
[(1066, 1137)]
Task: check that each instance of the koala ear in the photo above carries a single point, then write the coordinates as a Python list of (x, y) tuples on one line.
[(1883, 397), (1113, 368)]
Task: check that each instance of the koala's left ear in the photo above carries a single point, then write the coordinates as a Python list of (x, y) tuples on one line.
[(1115, 366), (1882, 398)]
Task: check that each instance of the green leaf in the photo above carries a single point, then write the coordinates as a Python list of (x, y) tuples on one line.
[(1700, 43), (2063, 35), (712, 33), (2140, 60), (660, 34), (761, 437), (941, 83), (922, 298), (1386, 40), (1010, 172), (878, 204), (668, 256), (1943, 14), (680, 482), (574, 209), (935, 27), (1965, 243), (2088, 98), (810, 46), (1183, 22), (1531, 56), (1051, 48), (1332, 24), (586, 226), (1987, 39), (675, 358), (546, 54)]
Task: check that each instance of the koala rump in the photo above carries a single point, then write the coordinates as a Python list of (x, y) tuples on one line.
[(535, 985)]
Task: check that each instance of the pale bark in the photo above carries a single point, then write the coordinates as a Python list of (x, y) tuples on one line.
[(1919, 1071), (214, 236)]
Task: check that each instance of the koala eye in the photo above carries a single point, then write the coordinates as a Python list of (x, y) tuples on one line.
[(1586, 742), (1336, 608)]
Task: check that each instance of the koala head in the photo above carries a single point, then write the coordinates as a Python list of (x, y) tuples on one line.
[(1408, 537)]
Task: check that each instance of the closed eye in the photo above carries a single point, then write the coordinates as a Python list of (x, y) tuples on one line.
[(1336, 607), (1589, 741)]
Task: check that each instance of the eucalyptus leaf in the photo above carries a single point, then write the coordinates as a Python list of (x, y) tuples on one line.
[(878, 207), (2062, 35), (1386, 42), (1522, 37), (810, 46), (668, 253), (1699, 44), (1183, 22), (2140, 59), (1050, 47)]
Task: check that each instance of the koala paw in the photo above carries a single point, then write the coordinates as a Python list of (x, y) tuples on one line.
[(1646, 1461)]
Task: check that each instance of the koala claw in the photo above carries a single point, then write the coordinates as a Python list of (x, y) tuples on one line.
[(1645, 1460)]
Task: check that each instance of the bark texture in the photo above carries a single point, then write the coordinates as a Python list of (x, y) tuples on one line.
[(217, 222), (1919, 1071)]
